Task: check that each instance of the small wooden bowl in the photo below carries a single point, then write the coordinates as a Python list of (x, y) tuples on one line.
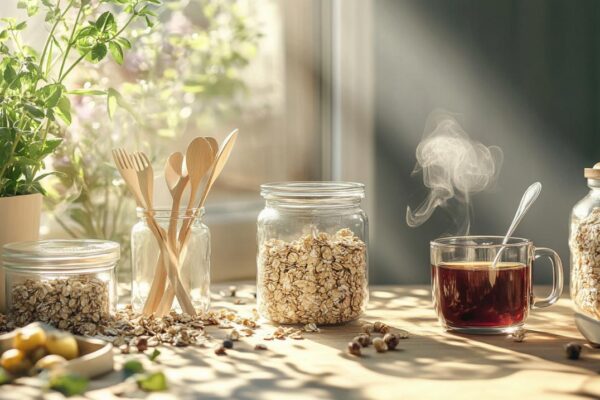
[(96, 356)]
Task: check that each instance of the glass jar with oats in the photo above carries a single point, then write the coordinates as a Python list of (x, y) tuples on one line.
[(584, 242), (312, 253), (69, 284)]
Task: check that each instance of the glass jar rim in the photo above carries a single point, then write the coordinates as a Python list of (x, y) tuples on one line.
[(312, 190), (61, 254), (471, 241)]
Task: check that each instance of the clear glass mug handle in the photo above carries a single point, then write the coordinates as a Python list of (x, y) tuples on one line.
[(557, 277)]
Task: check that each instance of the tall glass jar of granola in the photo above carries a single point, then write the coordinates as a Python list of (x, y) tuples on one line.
[(312, 253), (584, 242)]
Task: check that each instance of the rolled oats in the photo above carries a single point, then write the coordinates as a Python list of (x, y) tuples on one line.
[(318, 278), (78, 304), (585, 260)]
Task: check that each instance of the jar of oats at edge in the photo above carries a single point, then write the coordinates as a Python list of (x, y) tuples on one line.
[(584, 243), (312, 253), (69, 284)]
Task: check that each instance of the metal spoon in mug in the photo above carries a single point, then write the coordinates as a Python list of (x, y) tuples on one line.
[(529, 197)]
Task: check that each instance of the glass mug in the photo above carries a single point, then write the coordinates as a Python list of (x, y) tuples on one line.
[(472, 297)]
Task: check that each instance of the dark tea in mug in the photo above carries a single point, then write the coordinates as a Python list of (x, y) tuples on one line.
[(468, 295)]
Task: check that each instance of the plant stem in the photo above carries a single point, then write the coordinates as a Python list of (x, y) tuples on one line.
[(70, 42), (51, 34)]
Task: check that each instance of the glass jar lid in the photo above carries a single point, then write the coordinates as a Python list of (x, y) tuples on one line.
[(322, 190), (61, 254)]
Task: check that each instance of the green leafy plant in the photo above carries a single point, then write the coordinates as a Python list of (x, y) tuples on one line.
[(185, 75), (35, 98)]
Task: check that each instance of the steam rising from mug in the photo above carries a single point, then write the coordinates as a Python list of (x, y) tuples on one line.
[(454, 167)]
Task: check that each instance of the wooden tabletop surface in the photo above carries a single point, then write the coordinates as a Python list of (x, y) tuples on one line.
[(431, 364)]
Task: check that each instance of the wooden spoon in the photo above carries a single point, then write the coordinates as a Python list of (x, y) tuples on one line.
[(176, 182), (218, 166)]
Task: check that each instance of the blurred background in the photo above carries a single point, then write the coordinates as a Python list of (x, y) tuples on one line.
[(341, 89)]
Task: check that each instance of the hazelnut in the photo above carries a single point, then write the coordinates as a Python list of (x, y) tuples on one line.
[(380, 345), (62, 344), (28, 338), (364, 340), (354, 348), (367, 328), (391, 340), (50, 362), (573, 350), (13, 361)]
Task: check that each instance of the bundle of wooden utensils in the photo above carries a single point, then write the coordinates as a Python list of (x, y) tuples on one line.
[(199, 168)]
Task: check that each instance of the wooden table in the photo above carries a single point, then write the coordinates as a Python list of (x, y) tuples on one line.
[(431, 364)]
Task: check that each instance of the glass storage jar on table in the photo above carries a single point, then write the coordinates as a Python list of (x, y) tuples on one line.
[(69, 284), (312, 253), (584, 242), (194, 261)]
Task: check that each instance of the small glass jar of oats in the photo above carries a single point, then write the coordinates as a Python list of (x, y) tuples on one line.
[(584, 242), (69, 284), (312, 253)]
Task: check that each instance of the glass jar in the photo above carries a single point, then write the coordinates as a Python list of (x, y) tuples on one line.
[(69, 284), (312, 253), (194, 262), (584, 242)]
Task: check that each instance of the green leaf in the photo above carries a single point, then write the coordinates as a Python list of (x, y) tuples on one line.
[(9, 74), (4, 377), (154, 382), (51, 94), (64, 110), (98, 52), (106, 23), (3, 35), (152, 357), (86, 31), (20, 26), (149, 22), (132, 367), (157, 2), (112, 100), (124, 43), (50, 146), (87, 92), (116, 52), (69, 384), (34, 111)]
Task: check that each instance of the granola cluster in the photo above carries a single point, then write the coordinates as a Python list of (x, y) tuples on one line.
[(78, 304), (585, 259), (318, 278)]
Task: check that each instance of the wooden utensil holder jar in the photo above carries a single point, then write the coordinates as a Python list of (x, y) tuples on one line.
[(193, 263)]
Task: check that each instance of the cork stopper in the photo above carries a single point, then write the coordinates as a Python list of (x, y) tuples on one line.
[(592, 173)]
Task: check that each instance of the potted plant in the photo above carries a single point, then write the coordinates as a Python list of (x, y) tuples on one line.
[(35, 105)]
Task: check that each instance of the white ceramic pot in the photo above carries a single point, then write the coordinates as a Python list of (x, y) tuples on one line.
[(19, 221)]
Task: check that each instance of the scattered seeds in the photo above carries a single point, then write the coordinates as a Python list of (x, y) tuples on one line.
[(220, 351), (573, 350), (228, 344), (354, 348), (142, 345), (234, 335), (364, 340), (260, 346), (380, 345), (391, 340), (518, 335)]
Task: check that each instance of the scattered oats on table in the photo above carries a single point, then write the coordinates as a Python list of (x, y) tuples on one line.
[(318, 278)]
